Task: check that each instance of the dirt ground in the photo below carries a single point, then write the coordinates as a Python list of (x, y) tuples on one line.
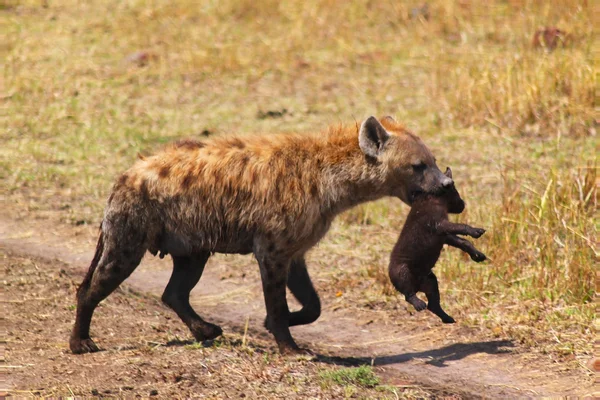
[(152, 352), (92, 85), (148, 354)]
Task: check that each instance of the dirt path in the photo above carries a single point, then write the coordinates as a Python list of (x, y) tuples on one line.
[(448, 357)]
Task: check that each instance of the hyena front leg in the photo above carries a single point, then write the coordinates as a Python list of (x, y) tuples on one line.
[(186, 274), (115, 260), (273, 272), (300, 285)]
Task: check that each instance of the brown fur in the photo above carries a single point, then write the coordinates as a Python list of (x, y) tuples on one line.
[(274, 196), (425, 232)]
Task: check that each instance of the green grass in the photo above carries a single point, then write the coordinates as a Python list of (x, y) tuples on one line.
[(362, 376), (516, 124)]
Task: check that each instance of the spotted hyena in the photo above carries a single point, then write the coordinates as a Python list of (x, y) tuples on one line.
[(274, 196), (420, 244)]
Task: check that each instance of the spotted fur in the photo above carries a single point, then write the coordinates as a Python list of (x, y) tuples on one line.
[(271, 195)]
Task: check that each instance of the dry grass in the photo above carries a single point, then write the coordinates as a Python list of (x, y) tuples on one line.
[(552, 232), (516, 123), (489, 72)]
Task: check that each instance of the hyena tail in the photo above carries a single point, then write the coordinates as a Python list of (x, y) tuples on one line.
[(95, 261)]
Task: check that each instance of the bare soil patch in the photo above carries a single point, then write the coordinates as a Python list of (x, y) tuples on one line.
[(146, 352), (144, 343)]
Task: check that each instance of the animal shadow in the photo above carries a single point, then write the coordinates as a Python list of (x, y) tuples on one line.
[(435, 357)]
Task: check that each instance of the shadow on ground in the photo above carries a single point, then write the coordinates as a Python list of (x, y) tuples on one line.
[(436, 357)]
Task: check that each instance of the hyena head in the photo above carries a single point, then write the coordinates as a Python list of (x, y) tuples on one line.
[(408, 165)]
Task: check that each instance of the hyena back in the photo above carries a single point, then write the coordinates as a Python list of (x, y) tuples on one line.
[(274, 196)]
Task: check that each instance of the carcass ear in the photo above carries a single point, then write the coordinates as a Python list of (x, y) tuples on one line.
[(372, 136), (448, 172)]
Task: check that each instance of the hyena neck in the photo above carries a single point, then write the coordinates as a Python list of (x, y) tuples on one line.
[(351, 179)]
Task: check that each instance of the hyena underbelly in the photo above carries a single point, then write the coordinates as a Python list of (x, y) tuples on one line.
[(273, 196)]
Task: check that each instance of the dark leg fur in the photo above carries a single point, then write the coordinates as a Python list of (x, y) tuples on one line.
[(429, 286), (300, 285), (417, 303), (273, 273), (99, 249), (466, 246), (111, 265), (450, 228), (407, 283), (186, 274)]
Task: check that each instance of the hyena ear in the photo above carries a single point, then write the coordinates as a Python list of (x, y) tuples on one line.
[(372, 136), (448, 172)]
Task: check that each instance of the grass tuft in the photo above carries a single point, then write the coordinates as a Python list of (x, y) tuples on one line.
[(362, 376), (543, 236)]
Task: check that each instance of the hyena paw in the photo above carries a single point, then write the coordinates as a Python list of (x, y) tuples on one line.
[(477, 232), (417, 303), (478, 256), (297, 352), (82, 346), (291, 349), (206, 331)]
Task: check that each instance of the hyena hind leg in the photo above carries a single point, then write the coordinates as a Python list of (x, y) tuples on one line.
[(187, 271), (111, 266)]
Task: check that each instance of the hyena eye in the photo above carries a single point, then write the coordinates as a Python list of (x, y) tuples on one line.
[(420, 167)]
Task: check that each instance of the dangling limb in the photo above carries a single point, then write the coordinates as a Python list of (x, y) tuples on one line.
[(429, 286), (466, 246), (407, 283), (450, 228)]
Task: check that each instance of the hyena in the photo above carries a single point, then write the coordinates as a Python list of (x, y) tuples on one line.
[(418, 248), (274, 196)]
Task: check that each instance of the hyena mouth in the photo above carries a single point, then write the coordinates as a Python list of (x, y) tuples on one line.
[(414, 194), (440, 190)]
